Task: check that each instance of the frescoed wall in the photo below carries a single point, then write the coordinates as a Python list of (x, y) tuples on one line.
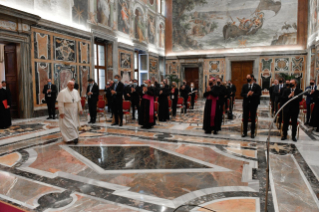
[(58, 57), (215, 24), (313, 26)]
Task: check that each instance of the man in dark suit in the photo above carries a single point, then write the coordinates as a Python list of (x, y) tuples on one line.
[(50, 91), (251, 93), (92, 93), (108, 94), (5, 87), (117, 91), (310, 98), (192, 93), (76, 86), (135, 97), (272, 97), (276, 93), (291, 111), (184, 89), (233, 91)]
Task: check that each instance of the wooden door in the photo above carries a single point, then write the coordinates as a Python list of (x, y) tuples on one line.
[(11, 76), (239, 72), (192, 75)]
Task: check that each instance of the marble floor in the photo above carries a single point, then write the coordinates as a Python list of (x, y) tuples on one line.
[(171, 167)]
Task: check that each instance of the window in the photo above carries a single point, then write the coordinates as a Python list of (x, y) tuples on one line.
[(100, 64)]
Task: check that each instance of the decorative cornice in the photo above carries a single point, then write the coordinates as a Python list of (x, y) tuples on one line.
[(24, 16), (60, 27)]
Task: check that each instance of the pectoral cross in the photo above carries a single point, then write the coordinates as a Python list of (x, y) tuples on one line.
[(73, 100)]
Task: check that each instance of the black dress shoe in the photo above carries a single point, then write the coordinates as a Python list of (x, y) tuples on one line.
[(317, 130), (114, 124), (284, 138), (121, 124), (207, 132), (90, 122), (215, 132), (76, 141), (49, 118), (294, 139), (252, 136), (244, 135)]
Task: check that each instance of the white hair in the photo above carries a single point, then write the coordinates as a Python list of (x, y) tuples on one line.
[(70, 81)]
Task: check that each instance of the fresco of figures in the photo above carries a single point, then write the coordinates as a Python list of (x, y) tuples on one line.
[(139, 25), (151, 29), (105, 12), (124, 16), (161, 39), (313, 18), (215, 24)]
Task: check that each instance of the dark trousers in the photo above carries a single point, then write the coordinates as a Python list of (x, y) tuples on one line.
[(174, 106), (308, 112), (51, 107), (276, 106), (92, 109), (135, 106), (193, 101), (109, 104), (252, 109), (185, 104), (294, 118), (117, 111), (272, 106)]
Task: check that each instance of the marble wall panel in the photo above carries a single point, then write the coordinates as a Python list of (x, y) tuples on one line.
[(42, 74), (84, 52), (63, 74), (126, 62), (42, 48), (64, 49), (84, 77)]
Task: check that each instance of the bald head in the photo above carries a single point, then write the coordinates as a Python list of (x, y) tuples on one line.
[(71, 85)]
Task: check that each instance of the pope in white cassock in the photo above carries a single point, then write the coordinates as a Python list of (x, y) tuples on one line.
[(69, 102)]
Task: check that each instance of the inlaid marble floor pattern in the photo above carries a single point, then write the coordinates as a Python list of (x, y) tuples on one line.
[(172, 167)]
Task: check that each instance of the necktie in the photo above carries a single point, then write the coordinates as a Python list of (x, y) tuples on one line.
[(115, 86)]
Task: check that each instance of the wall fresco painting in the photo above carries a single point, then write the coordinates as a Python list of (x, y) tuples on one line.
[(215, 24), (65, 50), (42, 74), (139, 25), (151, 29), (161, 39), (80, 13), (124, 16), (105, 10)]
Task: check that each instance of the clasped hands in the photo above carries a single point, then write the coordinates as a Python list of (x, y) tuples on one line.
[(113, 92), (62, 115), (250, 93), (90, 93), (291, 95)]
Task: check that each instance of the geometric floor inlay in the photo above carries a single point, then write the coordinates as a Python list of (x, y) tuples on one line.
[(134, 157)]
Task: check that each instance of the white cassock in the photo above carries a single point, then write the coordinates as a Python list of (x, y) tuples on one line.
[(70, 105)]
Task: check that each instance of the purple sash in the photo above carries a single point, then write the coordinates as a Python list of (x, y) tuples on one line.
[(213, 109), (151, 99)]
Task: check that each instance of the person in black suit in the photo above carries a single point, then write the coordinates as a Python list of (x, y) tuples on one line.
[(192, 93), (272, 96), (184, 89), (117, 91), (127, 91), (50, 91), (291, 111), (135, 97), (276, 92), (76, 86), (251, 93), (174, 98), (108, 94), (92, 93), (233, 91)]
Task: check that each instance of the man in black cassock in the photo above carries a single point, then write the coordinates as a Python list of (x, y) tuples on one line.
[(92, 93), (146, 114), (5, 116), (50, 91), (184, 89), (212, 118), (163, 103), (251, 93), (291, 111), (135, 97), (117, 91)]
